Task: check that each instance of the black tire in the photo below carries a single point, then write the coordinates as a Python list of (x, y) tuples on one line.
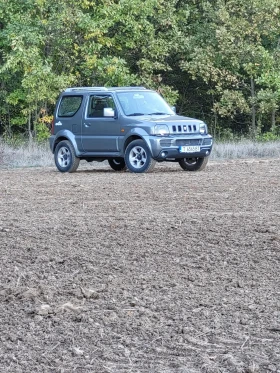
[(193, 164), (117, 164), (138, 157), (65, 157)]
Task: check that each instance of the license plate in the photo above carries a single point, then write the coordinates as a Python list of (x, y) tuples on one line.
[(189, 149)]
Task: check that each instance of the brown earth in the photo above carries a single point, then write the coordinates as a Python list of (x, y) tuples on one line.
[(164, 272)]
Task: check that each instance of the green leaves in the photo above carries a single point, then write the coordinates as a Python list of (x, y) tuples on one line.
[(231, 46), (208, 53)]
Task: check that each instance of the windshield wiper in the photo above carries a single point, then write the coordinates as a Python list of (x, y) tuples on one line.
[(159, 113), (135, 114)]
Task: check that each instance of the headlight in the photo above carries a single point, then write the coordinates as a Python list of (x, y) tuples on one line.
[(202, 129), (161, 130)]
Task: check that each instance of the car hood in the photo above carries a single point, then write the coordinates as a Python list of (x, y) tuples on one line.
[(177, 124), (169, 119)]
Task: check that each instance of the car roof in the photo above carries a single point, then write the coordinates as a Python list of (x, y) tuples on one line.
[(103, 89)]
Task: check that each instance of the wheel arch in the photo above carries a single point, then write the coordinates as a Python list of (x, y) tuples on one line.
[(58, 140), (68, 136), (132, 138)]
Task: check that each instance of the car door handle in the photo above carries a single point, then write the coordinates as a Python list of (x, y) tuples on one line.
[(87, 124)]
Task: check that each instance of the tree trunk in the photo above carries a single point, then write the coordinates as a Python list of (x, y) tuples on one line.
[(273, 120), (253, 109), (30, 128), (8, 129)]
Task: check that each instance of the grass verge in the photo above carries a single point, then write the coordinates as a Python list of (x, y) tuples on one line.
[(39, 155), (246, 149), (25, 155)]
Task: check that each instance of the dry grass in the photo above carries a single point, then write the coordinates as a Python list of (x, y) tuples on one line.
[(39, 155), (25, 155), (246, 149)]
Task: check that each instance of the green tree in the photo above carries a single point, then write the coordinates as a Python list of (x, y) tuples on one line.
[(229, 45), (221, 56), (49, 45)]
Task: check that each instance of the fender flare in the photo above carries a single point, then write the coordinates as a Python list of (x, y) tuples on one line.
[(133, 134), (65, 135)]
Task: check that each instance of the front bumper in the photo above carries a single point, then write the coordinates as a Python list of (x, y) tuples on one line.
[(164, 148)]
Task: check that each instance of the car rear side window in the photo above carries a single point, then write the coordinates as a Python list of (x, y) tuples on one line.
[(69, 105)]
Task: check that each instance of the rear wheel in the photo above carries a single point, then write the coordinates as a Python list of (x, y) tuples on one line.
[(65, 157), (117, 164), (193, 164), (138, 157)]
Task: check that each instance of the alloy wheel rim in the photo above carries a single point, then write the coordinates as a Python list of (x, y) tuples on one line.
[(63, 157), (191, 161), (116, 162), (137, 157)]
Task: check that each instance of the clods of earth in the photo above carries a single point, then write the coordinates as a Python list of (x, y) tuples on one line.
[(166, 272)]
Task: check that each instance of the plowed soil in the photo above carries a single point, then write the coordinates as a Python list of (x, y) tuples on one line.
[(165, 272)]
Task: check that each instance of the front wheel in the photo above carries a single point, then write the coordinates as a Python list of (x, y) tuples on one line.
[(117, 164), (65, 157), (138, 157), (193, 164)]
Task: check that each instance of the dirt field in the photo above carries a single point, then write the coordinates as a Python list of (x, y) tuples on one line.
[(164, 272)]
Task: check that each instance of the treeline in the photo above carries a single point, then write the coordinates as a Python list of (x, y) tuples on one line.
[(218, 60)]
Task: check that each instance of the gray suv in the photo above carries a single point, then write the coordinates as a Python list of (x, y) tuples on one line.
[(130, 127)]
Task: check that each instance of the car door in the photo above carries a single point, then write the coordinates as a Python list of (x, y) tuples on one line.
[(99, 132)]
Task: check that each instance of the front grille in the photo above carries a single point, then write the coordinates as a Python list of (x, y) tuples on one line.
[(183, 142), (184, 128), (164, 143)]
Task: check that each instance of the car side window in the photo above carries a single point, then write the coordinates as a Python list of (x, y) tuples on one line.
[(97, 104), (69, 105)]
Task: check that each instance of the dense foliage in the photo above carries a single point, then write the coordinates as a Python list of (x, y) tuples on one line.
[(218, 60)]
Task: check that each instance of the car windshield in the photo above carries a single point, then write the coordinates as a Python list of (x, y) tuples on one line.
[(143, 103)]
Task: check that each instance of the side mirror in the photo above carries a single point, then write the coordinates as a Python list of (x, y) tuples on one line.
[(173, 108), (109, 112)]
